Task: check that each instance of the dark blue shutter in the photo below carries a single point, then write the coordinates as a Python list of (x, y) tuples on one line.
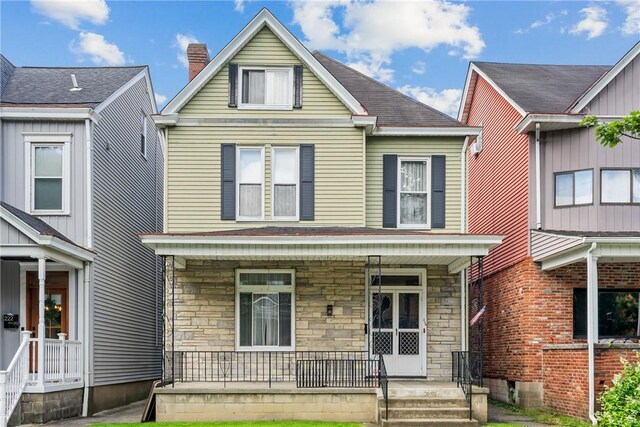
[(233, 85), (438, 174), (228, 179), (297, 86), (389, 191), (307, 190)]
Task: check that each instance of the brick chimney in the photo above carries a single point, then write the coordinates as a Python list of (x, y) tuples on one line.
[(198, 57)]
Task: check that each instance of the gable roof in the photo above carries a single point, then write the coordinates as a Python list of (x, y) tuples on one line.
[(50, 86), (6, 69), (264, 18), (393, 108), (38, 225), (537, 88)]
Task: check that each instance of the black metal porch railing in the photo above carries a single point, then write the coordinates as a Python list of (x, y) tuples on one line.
[(383, 381), (465, 374)]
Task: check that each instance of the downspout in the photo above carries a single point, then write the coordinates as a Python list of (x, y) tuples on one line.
[(538, 186), (592, 326), (89, 182), (463, 229), (85, 338)]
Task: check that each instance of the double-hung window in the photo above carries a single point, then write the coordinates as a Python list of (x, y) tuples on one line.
[(266, 88), (265, 309), (574, 188), (620, 186), (47, 169), (250, 167), (284, 177), (414, 193)]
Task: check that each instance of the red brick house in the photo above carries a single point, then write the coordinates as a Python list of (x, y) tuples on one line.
[(562, 291)]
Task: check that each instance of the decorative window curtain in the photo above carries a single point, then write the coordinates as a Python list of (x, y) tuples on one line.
[(250, 183), (253, 84), (285, 180), (278, 87), (413, 192), (265, 315)]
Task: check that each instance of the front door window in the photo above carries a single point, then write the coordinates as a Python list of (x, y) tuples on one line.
[(56, 303)]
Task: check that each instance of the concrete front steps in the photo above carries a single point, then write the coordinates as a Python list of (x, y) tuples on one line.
[(430, 408)]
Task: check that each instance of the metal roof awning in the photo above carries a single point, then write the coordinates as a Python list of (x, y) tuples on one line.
[(325, 244)]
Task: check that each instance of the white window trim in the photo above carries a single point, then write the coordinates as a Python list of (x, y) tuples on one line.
[(273, 289), (243, 106), (144, 133), (427, 159), (297, 183), (32, 140), (262, 194)]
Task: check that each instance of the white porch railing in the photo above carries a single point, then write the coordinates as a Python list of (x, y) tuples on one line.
[(14, 379), (62, 361)]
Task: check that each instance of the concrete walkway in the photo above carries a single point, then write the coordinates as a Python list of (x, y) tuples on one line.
[(498, 414), (125, 414)]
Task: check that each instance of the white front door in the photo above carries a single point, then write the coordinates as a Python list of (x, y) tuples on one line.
[(397, 321)]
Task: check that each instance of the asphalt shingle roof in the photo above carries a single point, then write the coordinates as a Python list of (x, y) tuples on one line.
[(394, 109), (37, 224), (51, 85), (543, 88)]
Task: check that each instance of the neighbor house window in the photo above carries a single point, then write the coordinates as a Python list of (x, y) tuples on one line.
[(617, 313), (250, 180), (284, 178), (266, 88), (143, 135), (620, 186), (413, 192), (574, 188), (265, 309), (47, 169)]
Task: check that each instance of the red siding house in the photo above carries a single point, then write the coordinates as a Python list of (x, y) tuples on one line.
[(562, 291)]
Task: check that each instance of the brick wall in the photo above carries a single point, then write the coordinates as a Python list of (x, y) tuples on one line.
[(205, 308), (566, 388)]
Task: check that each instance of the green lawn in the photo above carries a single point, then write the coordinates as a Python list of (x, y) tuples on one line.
[(237, 424), (501, 425)]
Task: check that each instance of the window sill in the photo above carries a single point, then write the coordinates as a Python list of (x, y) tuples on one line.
[(49, 213), (265, 349), (265, 107)]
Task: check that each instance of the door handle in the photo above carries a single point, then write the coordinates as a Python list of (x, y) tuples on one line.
[(396, 331)]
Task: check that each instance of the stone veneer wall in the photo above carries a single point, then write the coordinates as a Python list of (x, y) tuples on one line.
[(205, 308)]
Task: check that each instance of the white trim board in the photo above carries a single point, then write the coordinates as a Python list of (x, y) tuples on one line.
[(47, 113), (122, 89), (263, 19)]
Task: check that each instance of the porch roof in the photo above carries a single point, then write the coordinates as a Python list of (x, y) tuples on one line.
[(401, 247), (44, 240)]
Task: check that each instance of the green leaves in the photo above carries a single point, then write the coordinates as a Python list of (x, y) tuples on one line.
[(621, 403), (609, 133)]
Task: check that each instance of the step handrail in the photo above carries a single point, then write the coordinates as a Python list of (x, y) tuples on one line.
[(14, 379)]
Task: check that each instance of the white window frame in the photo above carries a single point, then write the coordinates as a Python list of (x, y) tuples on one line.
[(243, 106), (262, 183), (296, 149), (631, 201), (265, 289), (32, 140), (426, 159), (143, 134)]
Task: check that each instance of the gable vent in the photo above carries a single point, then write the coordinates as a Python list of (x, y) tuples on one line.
[(75, 87)]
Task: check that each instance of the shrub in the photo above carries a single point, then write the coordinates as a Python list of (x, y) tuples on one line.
[(620, 404)]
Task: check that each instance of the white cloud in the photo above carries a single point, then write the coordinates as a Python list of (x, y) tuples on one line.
[(446, 101), (160, 99), (631, 25), (72, 12), (239, 5), (100, 50), (182, 42), (548, 19), (419, 68), (594, 23), (372, 31)]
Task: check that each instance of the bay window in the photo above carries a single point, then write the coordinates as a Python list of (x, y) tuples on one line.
[(620, 186), (265, 309), (413, 193), (266, 88), (284, 178)]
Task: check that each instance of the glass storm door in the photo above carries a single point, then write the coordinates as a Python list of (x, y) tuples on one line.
[(401, 336)]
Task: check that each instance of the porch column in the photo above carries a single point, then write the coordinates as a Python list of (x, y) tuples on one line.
[(592, 325), (42, 273)]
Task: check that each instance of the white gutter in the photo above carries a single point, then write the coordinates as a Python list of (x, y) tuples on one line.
[(89, 182), (463, 193), (592, 326), (538, 186), (427, 131), (86, 334)]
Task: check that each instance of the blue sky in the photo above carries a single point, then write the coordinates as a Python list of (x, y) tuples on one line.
[(420, 47)]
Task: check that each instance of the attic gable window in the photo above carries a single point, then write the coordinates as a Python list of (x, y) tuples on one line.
[(266, 88)]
